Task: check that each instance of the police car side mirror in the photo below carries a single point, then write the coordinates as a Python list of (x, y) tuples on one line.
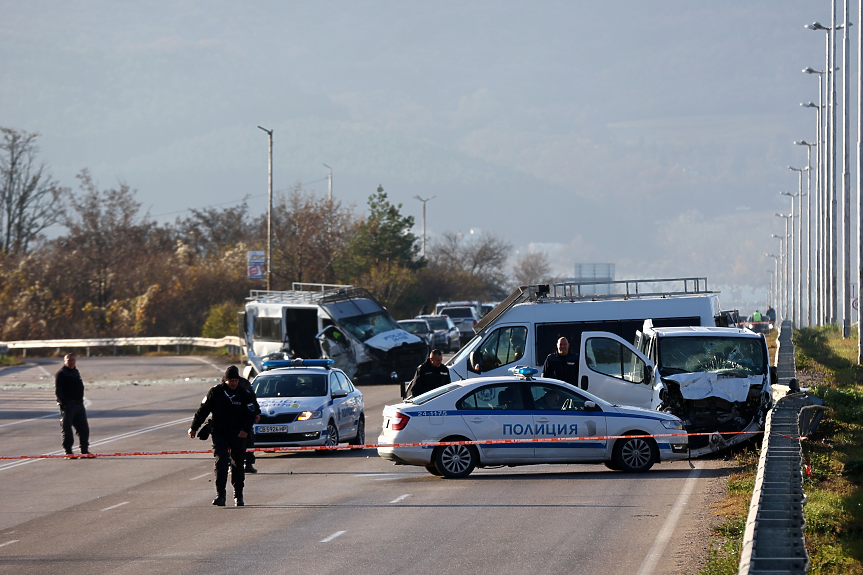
[(590, 406), (339, 393)]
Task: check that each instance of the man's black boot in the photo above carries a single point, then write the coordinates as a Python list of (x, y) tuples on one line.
[(219, 500), (238, 499), (250, 468)]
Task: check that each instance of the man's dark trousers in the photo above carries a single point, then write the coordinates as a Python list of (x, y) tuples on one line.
[(74, 415), (229, 451)]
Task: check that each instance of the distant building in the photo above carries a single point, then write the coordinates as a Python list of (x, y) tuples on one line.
[(598, 273)]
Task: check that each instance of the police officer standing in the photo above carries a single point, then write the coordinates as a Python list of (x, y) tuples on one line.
[(430, 375), (233, 409), (69, 389), (562, 364)]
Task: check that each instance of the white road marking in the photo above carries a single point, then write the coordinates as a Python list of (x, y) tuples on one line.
[(31, 419), (115, 506), (385, 478), (9, 542), (208, 363), (200, 476), (376, 474), (400, 497), (43, 370), (333, 536), (667, 530), (100, 442)]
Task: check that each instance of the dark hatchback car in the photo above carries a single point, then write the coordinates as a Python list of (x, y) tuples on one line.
[(446, 334)]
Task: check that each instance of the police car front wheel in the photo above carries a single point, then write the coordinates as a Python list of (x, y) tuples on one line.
[(332, 437), (455, 461), (635, 454)]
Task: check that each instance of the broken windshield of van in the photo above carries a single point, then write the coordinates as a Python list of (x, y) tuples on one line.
[(364, 327), (741, 357)]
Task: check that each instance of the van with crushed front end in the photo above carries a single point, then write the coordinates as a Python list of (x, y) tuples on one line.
[(717, 380), (343, 323)]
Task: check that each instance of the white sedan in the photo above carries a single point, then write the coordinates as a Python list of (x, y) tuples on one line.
[(523, 407)]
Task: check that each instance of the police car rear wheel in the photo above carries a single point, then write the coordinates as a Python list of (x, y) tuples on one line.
[(433, 470), (360, 439), (635, 455), (455, 461)]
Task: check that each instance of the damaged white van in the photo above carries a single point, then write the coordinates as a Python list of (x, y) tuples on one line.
[(343, 323), (717, 380)]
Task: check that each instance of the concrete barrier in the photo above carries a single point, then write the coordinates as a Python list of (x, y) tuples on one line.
[(774, 541), (229, 341)]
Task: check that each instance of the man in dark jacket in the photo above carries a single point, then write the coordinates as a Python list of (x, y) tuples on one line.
[(562, 364), (233, 409), (69, 389), (430, 375)]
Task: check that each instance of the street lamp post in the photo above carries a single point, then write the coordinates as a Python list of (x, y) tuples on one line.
[(783, 268), (798, 237), (330, 183), (424, 201), (775, 277), (846, 176), (789, 267), (270, 213), (808, 229)]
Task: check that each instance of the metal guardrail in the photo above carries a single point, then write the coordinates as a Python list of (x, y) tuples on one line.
[(774, 541), (227, 341)]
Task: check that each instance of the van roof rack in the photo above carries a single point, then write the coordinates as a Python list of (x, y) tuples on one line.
[(301, 293), (585, 291)]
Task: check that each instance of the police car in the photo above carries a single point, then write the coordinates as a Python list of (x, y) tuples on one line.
[(307, 402), (524, 407)]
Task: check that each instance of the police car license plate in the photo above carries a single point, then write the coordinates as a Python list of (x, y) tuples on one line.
[(271, 429)]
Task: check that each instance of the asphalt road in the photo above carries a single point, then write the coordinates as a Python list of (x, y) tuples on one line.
[(322, 513)]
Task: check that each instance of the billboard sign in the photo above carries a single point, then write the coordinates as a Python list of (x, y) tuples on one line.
[(257, 265)]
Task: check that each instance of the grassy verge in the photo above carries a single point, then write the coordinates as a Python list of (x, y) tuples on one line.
[(7, 360), (834, 512)]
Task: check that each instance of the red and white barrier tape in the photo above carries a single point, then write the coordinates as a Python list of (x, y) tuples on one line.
[(377, 445)]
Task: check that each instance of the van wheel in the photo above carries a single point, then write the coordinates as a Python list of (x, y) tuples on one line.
[(455, 461), (360, 439), (635, 455)]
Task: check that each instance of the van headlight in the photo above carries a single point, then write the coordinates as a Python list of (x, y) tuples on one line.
[(672, 424), (310, 415)]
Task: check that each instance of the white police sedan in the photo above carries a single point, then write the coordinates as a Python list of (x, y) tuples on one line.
[(307, 402), (523, 407)]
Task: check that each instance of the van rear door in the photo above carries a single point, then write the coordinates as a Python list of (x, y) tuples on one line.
[(613, 369)]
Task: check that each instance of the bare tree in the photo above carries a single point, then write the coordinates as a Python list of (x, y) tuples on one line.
[(531, 268), (479, 262), (29, 198), (210, 231)]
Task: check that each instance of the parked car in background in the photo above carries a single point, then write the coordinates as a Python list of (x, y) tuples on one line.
[(446, 334), (465, 319), (420, 328)]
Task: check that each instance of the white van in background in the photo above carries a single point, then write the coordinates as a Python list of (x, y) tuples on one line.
[(525, 327)]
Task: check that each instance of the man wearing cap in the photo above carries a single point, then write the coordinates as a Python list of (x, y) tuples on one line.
[(233, 410)]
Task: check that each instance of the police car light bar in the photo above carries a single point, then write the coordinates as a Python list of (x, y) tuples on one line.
[(297, 362), (523, 371)]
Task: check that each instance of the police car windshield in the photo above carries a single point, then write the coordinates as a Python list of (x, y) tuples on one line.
[(365, 327), (738, 355), (438, 323), (291, 385), (430, 395)]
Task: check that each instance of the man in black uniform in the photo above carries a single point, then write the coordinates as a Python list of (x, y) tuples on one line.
[(430, 375), (562, 364), (69, 389), (233, 409)]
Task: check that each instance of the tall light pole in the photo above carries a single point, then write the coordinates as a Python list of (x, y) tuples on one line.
[(859, 182), (789, 268), (831, 271), (783, 269), (819, 205), (808, 229), (330, 181), (424, 201), (270, 214), (846, 176), (798, 237), (775, 277)]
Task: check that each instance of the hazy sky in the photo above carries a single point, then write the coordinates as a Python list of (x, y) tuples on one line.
[(655, 135)]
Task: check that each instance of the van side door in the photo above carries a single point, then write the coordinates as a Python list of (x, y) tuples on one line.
[(613, 369)]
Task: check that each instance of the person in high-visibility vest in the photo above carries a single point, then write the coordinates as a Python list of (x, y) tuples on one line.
[(756, 316)]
